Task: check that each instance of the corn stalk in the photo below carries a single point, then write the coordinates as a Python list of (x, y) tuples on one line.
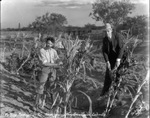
[(113, 92), (25, 60), (90, 102), (138, 93), (75, 69)]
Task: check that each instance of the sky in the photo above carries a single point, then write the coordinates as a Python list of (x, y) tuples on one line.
[(77, 12)]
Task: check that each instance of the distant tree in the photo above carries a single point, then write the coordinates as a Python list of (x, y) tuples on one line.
[(49, 23), (138, 26), (89, 26), (111, 11)]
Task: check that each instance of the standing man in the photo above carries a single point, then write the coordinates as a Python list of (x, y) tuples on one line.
[(48, 57), (112, 50)]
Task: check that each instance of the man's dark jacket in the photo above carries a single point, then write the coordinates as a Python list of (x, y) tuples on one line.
[(113, 48)]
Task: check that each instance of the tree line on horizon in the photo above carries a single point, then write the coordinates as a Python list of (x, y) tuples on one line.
[(107, 11)]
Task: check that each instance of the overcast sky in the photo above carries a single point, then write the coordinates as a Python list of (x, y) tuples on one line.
[(76, 11)]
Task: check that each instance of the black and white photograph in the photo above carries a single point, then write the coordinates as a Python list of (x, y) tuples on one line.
[(74, 59)]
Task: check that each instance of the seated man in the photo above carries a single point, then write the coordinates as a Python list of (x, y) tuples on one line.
[(48, 56)]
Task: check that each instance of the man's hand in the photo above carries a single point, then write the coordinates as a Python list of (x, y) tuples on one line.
[(108, 65), (60, 63), (117, 63), (55, 66)]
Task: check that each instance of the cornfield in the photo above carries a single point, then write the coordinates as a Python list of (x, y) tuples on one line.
[(79, 59)]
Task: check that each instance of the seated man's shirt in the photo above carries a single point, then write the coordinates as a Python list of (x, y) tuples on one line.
[(49, 55)]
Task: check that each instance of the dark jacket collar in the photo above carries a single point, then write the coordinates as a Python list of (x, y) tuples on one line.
[(112, 40)]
